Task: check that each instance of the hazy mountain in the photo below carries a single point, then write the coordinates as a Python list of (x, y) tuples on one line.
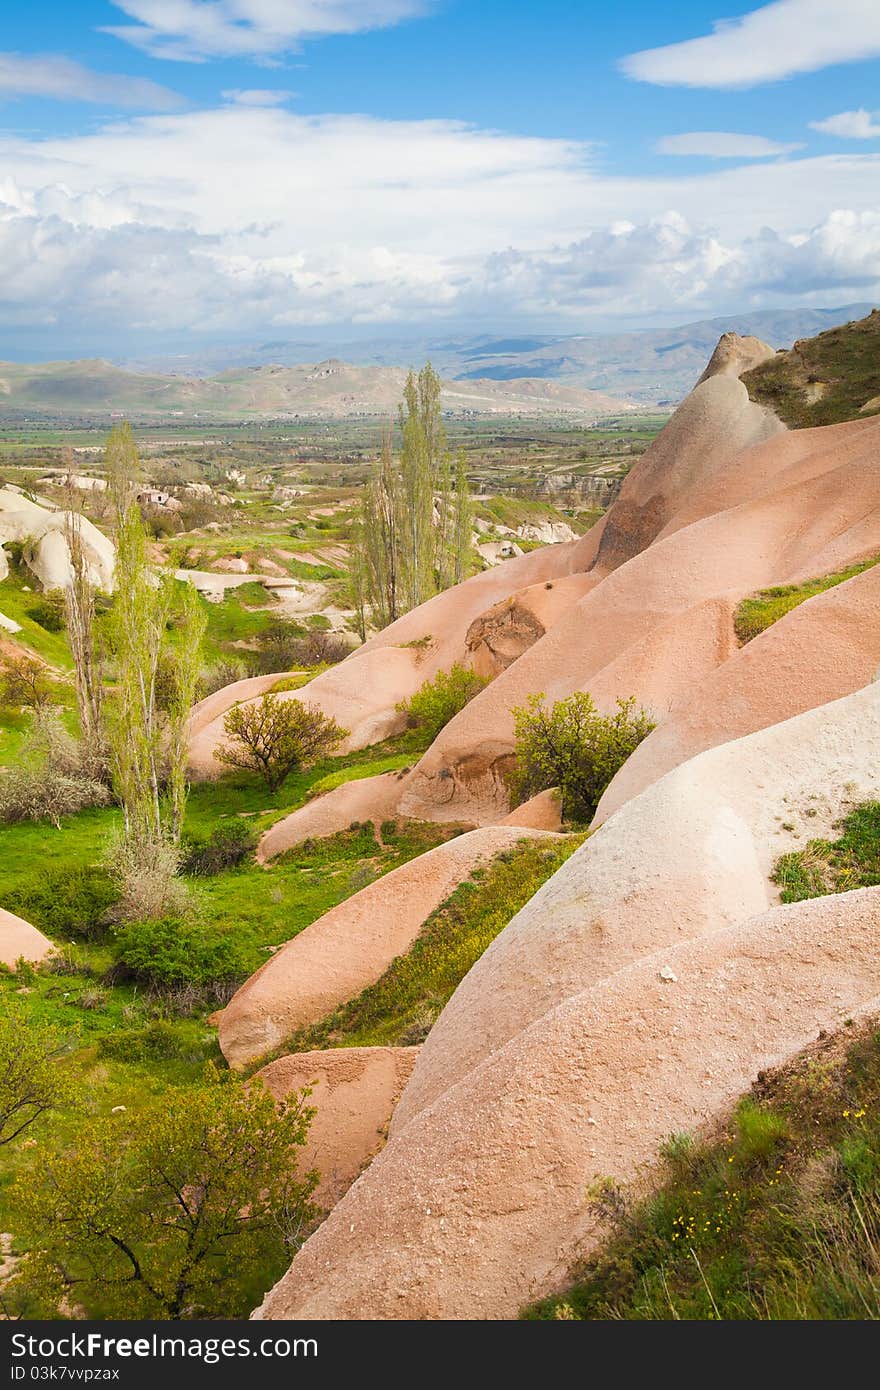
[(650, 366), (330, 388)]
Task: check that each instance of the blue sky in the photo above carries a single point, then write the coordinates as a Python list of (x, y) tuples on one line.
[(208, 170)]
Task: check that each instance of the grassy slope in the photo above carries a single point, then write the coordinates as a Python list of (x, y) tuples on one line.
[(841, 367), (778, 1216), (402, 1005), (758, 612)]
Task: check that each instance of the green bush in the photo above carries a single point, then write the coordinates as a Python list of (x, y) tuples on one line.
[(172, 954), (50, 611), (70, 904), (158, 1041), (575, 748), (227, 847), (441, 699)]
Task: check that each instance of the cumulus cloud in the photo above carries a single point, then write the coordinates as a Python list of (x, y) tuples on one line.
[(251, 217), (721, 144), (50, 75), (194, 30), (776, 41), (851, 125)]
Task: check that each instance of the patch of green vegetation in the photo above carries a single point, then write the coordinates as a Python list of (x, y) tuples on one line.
[(834, 866), (822, 380), (519, 511), (776, 1218), (394, 763), (758, 612), (403, 1004), (19, 595)]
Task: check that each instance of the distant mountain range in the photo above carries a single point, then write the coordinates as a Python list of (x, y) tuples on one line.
[(329, 389), (658, 365), (579, 377)]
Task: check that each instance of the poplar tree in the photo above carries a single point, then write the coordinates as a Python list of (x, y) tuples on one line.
[(79, 603), (413, 534)]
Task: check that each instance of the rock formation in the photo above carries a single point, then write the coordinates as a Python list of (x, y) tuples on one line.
[(40, 530), (19, 940), (350, 946), (637, 994)]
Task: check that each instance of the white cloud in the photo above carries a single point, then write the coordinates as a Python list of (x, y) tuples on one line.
[(49, 75), (257, 96), (851, 125), (721, 144), (776, 41), (246, 218), (193, 30)]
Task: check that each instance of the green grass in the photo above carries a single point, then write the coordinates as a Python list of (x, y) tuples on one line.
[(18, 594), (758, 612), (394, 763), (403, 1004), (834, 866), (775, 1218), (841, 368)]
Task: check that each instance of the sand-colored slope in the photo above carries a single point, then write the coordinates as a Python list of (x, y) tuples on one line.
[(19, 939), (354, 1091), (350, 946), (636, 633), (716, 422), (500, 635), (564, 1020), (822, 650), (362, 692), (365, 799), (483, 1201)]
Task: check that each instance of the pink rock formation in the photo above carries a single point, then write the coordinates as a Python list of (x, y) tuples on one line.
[(19, 939), (354, 1092), (365, 799), (350, 946), (541, 812), (567, 1056), (822, 650)]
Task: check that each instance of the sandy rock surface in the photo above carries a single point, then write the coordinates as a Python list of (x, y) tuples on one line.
[(354, 1091), (18, 938), (350, 946), (566, 1055)]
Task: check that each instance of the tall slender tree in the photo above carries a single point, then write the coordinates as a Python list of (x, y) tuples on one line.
[(462, 523), (413, 532), (79, 602)]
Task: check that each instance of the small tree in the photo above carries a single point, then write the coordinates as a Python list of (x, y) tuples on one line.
[(575, 748), (180, 1211), (274, 737), (439, 700), (31, 1081), (25, 682)]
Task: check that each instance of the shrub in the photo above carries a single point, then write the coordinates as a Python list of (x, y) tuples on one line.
[(25, 684), (69, 903), (439, 700), (146, 878), (273, 737), (173, 953), (226, 848), (575, 748), (50, 611), (158, 1041), (49, 780)]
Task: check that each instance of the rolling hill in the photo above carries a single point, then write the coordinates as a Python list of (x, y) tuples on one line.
[(327, 389)]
